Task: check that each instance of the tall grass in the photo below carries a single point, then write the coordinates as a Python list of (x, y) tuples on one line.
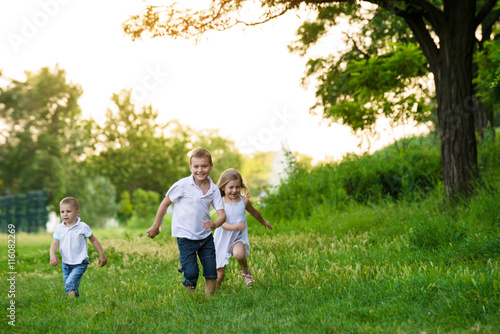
[(383, 265), (305, 282)]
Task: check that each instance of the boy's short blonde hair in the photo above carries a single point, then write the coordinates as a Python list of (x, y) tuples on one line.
[(201, 153), (70, 201)]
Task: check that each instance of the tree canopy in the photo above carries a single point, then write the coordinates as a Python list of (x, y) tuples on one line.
[(445, 31), (137, 151), (381, 72), (44, 132), (47, 144)]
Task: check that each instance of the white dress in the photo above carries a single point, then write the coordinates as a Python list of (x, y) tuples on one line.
[(224, 240)]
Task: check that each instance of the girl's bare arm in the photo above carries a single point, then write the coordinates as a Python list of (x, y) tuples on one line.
[(256, 214), (234, 227)]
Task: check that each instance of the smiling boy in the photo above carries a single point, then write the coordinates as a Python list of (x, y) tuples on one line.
[(192, 224), (71, 238)]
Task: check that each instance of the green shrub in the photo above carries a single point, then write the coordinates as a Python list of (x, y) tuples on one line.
[(392, 173), (303, 191), (404, 175), (126, 209), (145, 205), (97, 200)]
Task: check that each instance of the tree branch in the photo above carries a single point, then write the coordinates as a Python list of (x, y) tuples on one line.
[(418, 7), (484, 12), (171, 21), (422, 35), (487, 25), (269, 18), (355, 47)]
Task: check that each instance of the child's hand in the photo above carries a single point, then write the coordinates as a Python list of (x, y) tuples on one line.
[(208, 225), (153, 231), (102, 261), (54, 261), (268, 225), (240, 226)]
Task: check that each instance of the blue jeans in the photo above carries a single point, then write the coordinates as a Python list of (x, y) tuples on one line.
[(72, 275), (188, 249)]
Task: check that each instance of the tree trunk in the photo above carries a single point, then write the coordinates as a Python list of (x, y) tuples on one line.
[(455, 98)]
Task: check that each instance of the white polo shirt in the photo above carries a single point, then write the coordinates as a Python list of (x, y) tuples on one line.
[(73, 242), (192, 208)]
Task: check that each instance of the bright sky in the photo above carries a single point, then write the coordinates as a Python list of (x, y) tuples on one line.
[(243, 82)]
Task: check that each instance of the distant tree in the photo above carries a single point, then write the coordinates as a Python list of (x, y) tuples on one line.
[(126, 209), (96, 194), (145, 204), (444, 29), (137, 151), (44, 133), (257, 171)]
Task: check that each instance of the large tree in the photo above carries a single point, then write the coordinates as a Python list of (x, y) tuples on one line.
[(44, 133), (444, 29)]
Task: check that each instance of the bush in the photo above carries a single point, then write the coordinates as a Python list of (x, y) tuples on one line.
[(126, 209), (145, 205), (97, 199), (389, 173), (363, 179)]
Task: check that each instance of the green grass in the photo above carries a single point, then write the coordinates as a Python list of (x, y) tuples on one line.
[(386, 266), (363, 270)]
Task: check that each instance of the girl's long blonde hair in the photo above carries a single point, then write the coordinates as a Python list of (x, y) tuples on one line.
[(228, 175)]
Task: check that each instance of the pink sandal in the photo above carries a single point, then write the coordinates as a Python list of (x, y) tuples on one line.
[(248, 276)]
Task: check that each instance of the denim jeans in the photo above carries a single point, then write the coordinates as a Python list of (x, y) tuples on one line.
[(205, 249), (72, 275)]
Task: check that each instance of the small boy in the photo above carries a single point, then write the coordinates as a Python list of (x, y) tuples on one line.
[(71, 238), (192, 224)]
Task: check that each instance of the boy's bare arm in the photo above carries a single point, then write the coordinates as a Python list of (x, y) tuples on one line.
[(54, 260), (221, 218), (210, 225), (102, 258), (154, 230)]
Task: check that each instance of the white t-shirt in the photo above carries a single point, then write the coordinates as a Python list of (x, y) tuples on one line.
[(73, 242), (192, 208)]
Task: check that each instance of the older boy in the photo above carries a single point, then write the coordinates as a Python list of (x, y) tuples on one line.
[(191, 220), (71, 238)]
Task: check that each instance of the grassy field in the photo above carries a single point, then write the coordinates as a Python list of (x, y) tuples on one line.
[(398, 261), (357, 271)]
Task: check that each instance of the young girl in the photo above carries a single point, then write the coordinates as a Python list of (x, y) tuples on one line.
[(232, 238)]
